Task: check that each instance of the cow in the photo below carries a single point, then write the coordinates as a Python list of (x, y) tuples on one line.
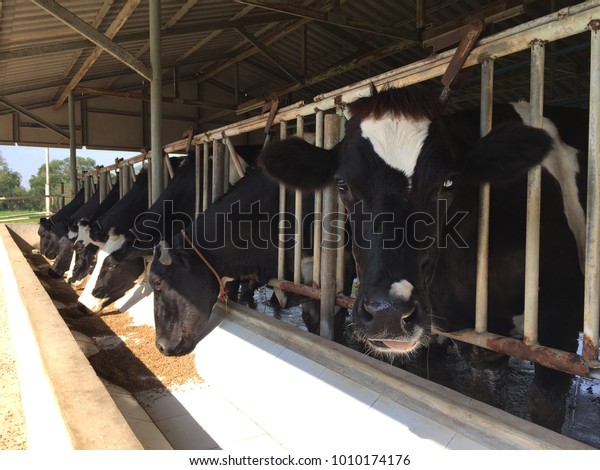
[(173, 210), (408, 170), (88, 211), (237, 236), (52, 228), (108, 231)]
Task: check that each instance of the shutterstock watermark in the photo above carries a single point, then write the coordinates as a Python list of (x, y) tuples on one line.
[(255, 228)]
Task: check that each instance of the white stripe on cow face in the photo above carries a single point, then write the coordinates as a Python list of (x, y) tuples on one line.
[(86, 298), (397, 140), (561, 162), (401, 290)]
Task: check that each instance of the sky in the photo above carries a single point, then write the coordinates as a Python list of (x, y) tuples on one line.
[(27, 160)]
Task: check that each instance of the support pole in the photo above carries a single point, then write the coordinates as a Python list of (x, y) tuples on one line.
[(102, 185), (156, 101), (197, 180), (72, 144), (217, 178), (591, 316), (205, 177), (318, 208), (534, 196), (282, 214), (47, 185), (329, 244), (298, 217), (483, 244)]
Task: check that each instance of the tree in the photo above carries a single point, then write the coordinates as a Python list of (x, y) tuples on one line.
[(10, 186), (60, 172)]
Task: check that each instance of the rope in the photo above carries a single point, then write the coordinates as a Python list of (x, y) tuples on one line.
[(223, 292)]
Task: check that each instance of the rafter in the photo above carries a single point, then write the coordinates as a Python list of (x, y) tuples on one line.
[(103, 42), (332, 17), (33, 117)]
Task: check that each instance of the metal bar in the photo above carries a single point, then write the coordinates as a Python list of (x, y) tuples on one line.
[(340, 272), (534, 196), (318, 229), (341, 300), (329, 245), (234, 156), (282, 215), (549, 357), (226, 166), (61, 199), (169, 165), (483, 238), (87, 190), (298, 217), (217, 170), (126, 186), (29, 114), (102, 185), (198, 180), (205, 176), (157, 180), (72, 143), (47, 184), (591, 316)]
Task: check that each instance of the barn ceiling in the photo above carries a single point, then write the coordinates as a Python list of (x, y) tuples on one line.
[(223, 59)]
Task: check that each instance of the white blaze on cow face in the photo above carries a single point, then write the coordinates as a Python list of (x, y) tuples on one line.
[(397, 140), (83, 235), (561, 162), (401, 290), (86, 298)]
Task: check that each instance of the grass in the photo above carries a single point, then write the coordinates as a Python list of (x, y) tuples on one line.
[(20, 216)]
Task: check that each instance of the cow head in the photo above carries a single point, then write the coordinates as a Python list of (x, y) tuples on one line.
[(48, 239), (403, 171), (118, 273), (185, 291), (85, 256)]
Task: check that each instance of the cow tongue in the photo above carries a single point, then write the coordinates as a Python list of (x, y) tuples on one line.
[(399, 345)]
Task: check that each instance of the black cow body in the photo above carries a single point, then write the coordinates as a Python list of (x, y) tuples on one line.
[(409, 174), (238, 236), (52, 228)]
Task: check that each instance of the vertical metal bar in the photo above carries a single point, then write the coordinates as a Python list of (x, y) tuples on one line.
[(102, 185), (125, 186), (61, 199), (226, 166), (87, 190), (420, 14), (72, 144), (205, 176), (534, 195), (591, 316), (282, 214), (483, 243), (197, 180), (318, 207), (329, 245), (298, 217), (157, 181), (340, 272), (217, 179), (47, 185), (150, 201)]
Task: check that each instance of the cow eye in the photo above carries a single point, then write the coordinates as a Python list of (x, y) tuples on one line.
[(342, 186), (449, 183), (157, 285)]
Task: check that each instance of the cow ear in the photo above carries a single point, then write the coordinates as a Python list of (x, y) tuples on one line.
[(506, 153), (298, 164)]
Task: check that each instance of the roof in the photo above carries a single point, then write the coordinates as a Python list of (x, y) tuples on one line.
[(228, 57)]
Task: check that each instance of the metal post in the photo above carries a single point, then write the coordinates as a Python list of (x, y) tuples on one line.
[(282, 214), (125, 179), (329, 245), (61, 199), (205, 176), (102, 185), (534, 195), (226, 163), (591, 317), (217, 179), (318, 208), (47, 185), (481, 299), (87, 189), (198, 181), (340, 272), (157, 180), (298, 217), (72, 144)]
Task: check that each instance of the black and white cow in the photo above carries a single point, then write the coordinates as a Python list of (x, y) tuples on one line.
[(238, 236), (171, 212), (409, 172), (52, 228)]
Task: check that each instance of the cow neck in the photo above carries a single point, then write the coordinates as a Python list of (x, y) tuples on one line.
[(223, 292)]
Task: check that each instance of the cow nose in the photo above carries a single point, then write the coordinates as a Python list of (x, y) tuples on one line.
[(380, 306)]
